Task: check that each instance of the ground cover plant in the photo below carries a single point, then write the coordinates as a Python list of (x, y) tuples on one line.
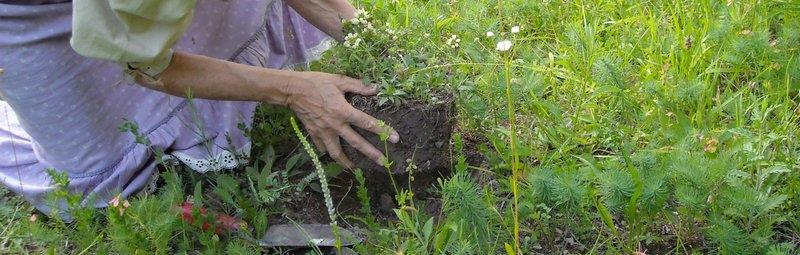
[(582, 127)]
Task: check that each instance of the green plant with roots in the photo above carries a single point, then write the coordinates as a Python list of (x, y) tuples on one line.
[(374, 52), (583, 127)]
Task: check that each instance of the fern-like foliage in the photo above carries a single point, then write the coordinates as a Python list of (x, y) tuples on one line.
[(697, 177), (616, 186), (562, 188), (463, 204), (729, 238), (783, 249)]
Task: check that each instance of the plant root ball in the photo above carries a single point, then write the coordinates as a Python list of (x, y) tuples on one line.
[(424, 147)]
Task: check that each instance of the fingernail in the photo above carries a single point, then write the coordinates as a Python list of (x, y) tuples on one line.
[(394, 138)]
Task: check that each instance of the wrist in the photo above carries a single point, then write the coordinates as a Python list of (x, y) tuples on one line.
[(288, 86)]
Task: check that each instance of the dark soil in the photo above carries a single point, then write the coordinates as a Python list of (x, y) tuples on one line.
[(423, 151), (311, 209), (425, 132)]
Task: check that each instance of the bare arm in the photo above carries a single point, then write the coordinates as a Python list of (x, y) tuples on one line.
[(316, 98), (326, 15)]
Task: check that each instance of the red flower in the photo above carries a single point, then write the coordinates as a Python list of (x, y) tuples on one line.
[(222, 224)]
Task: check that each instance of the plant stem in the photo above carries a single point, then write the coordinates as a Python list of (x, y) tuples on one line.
[(323, 179), (514, 154)]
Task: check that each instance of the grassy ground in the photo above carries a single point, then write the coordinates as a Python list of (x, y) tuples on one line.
[(607, 127)]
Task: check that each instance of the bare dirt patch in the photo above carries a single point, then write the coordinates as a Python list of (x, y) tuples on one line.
[(423, 151)]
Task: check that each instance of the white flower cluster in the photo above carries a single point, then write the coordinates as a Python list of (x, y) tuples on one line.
[(504, 45), (391, 32), (362, 16), (453, 41), (352, 40)]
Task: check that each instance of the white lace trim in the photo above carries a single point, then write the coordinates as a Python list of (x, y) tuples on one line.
[(224, 160), (314, 53)]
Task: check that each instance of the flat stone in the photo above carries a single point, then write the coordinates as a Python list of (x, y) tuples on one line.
[(306, 235)]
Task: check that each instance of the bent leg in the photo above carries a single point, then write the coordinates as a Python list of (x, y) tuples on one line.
[(20, 170)]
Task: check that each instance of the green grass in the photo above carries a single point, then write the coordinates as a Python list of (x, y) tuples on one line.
[(610, 127)]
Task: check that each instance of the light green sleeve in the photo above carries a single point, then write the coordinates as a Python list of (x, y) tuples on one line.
[(135, 33)]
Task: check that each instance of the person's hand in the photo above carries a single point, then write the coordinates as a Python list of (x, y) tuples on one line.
[(318, 101)]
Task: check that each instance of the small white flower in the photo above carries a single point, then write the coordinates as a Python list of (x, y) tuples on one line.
[(515, 29), (503, 45), (489, 34), (361, 13), (453, 41)]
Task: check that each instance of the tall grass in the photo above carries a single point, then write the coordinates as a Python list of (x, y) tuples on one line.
[(610, 127)]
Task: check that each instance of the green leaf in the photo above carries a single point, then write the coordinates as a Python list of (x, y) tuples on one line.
[(509, 249), (771, 203), (442, 238), (445, 22), (427, 230), (605, 215), (315, 186), (226, 188), (198, 194), (333, 169), (290, 164)]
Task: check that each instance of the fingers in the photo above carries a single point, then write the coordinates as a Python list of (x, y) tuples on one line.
[(315, 136), (366, 122), (319, 144), (347, 84), (335, 150), (359, 143)]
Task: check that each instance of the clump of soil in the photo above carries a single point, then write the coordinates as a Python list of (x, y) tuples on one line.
[(425, 131)]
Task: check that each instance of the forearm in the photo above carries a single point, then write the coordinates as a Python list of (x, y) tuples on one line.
[(326, 15), (209, 78), (316, 98)]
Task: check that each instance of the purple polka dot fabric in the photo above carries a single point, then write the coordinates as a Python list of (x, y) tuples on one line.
[(63, 111)]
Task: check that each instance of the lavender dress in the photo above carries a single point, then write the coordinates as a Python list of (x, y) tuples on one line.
[(63, 111)]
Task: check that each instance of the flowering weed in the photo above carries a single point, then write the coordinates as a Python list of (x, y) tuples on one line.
[(588, 127)]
